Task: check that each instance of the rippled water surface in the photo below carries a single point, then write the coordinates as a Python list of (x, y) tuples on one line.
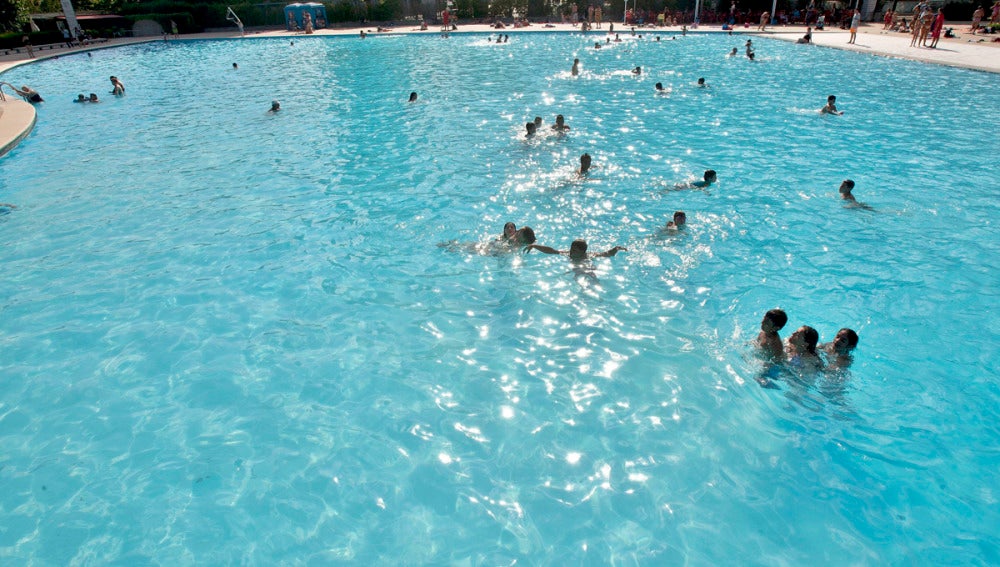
[(230, 337)]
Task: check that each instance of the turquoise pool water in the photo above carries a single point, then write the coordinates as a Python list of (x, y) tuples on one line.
[(230, 337)]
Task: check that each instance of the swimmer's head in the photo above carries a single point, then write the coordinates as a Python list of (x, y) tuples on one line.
[(275, 106), (774, 320), (584, 163), (701, 80), (509, 229), (578, 249), (659, 86), (679, 218), (530, 127), (847, 186), (560, 120), (93, 97), (538, 122), (806, 337), (235, 66), (831, 99), (526, 236), (637, 71), (845, 341), (413, 96), (81, 97), (710, 176)]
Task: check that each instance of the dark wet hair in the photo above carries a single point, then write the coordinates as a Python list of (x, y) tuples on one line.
[(849, 183), (778, 318), (680, 214), (701, 80), (811, 337), (659, 86), (527, 235), (710, 173), (852, 337), (580, 244), (413, 96), (530, 127), (509, 225), (831, 98)]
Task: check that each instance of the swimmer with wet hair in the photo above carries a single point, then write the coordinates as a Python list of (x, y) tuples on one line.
[(275, 107), (93, 98), (679, 220), (413, 96), (538, 122), (801, 348), (732, 53), (701, 82), (838, 351), (235, 66), (660, 89), (531, 129), (637, 71), (560, 125), (710, 177), (509, 231), (118, 88), (577, 251), (576, 67), (768, 341), (845, 191), (831, 107), (584, 164)]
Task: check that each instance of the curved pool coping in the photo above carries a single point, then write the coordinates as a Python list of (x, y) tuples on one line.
[(17, 120)]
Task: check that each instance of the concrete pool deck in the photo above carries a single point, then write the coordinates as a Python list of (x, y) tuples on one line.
[(968, 51)]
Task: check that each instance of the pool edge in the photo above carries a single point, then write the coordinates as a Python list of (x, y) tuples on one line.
[(17, 120)]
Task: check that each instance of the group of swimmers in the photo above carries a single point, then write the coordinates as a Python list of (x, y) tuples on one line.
[(117, 89), (802, 351)]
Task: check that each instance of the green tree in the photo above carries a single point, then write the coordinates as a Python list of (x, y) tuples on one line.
[(13, 15)]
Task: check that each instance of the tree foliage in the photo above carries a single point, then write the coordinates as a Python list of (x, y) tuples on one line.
[(13, 15)]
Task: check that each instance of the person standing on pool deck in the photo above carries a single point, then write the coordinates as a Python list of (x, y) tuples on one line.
[(937, 27), (855, 22), (769, 341), (831, 106), (577, 251)]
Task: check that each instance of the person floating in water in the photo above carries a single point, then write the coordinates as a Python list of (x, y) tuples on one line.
[(838, 351), (584, 164), (661, 90), (531, 129), (637, 71), (732, 53), (750, 52), (577, 251), (560, 125), (710, 177), (831, 106), (801, 349), (118, 88), (275, 107), (846, 188), (702, 83), (413, 96), (576, 67), (235, 66), (769, 341), (93, 98), (679, 220)]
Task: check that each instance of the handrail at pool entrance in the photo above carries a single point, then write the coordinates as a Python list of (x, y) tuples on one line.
[(232, 17)]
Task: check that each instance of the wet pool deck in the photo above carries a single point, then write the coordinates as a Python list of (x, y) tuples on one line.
[(978, 52)]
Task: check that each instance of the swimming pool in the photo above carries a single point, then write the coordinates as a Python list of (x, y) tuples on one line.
[(230, 336)]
